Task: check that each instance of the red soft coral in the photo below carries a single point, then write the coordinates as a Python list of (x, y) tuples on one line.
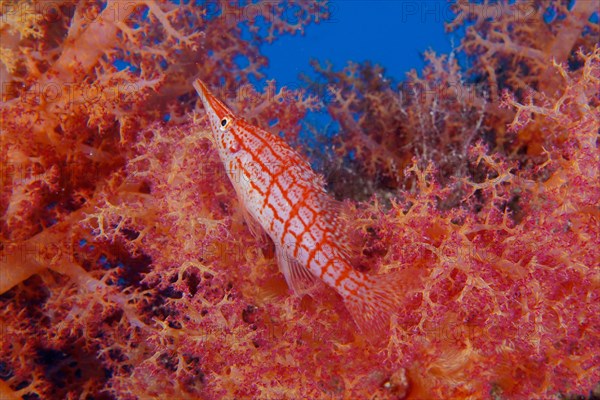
[(127, 269)]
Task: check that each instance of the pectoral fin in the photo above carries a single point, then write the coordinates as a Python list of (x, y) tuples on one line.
[(254, 226), (297, 277)]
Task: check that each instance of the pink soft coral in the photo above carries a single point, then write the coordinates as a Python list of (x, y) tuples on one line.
[(128, 272)]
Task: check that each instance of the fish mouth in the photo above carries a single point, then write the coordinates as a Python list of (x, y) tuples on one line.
[(212, 104), (202, 91)]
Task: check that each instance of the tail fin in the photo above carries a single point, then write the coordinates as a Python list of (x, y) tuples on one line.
[(375, 303)]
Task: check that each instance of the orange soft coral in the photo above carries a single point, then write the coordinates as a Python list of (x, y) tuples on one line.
[(127, 270)]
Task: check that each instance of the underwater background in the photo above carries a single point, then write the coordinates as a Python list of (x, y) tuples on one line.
[(461, 138)]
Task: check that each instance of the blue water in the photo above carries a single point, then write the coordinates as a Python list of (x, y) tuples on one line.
[(391, 33)]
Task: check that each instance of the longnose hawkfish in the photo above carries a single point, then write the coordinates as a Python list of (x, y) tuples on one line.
[(280, 191)]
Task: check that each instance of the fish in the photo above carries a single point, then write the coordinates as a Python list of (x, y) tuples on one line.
[(282, 196)]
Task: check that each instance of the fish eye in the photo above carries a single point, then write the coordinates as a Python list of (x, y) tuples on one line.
[(224, 123)]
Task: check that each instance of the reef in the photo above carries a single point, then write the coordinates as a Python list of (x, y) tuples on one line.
[(127, 270)]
